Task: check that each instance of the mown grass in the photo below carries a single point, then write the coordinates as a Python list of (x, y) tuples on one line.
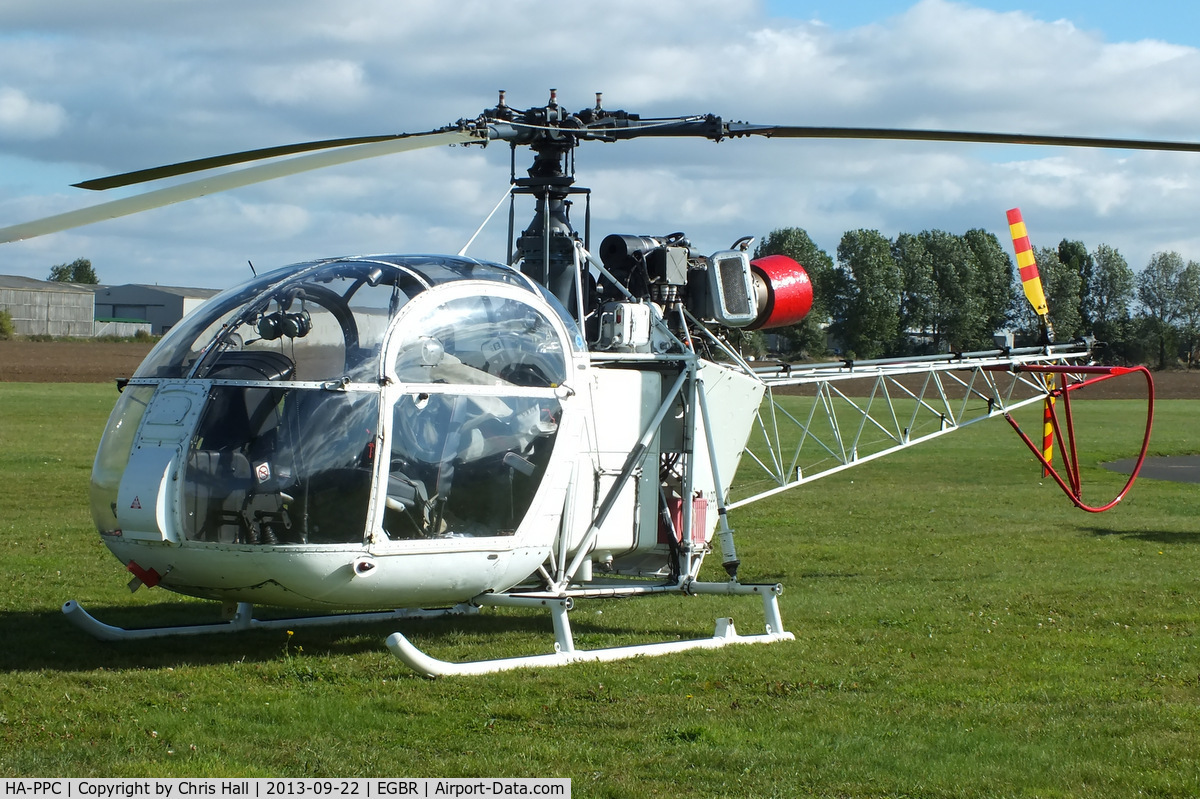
[(961, 631)]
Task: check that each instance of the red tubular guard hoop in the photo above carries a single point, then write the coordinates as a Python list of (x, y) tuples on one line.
[(1072, 485)]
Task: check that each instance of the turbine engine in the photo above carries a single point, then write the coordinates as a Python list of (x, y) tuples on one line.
[(727, 287)]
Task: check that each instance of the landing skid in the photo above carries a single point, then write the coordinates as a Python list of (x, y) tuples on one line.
[(243, 620), (564, 646)]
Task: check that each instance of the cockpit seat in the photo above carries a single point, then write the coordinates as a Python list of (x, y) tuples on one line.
[(220, 482), (252, 365)]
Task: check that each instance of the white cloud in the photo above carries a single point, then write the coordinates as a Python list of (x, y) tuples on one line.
[(143, 82), (329, 82), (24, 118)]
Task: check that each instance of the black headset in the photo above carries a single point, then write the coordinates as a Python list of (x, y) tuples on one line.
[(283, 323)]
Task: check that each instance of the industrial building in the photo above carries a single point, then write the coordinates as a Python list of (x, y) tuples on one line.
[(47, 308), (161, 306)]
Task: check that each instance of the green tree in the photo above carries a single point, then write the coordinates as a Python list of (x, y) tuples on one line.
[(1189, 311), (957, 312), (1110, 293), (1075, 257), (1108, 300), (1063, 287), (995, 288), (807, 337), (1158, 292), (918, 292), (872, 308), (78, 271)]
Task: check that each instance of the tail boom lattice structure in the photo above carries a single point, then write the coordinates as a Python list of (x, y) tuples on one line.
[(822, 419)]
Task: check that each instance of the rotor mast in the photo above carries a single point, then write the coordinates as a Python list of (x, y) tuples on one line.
[(546, 248)]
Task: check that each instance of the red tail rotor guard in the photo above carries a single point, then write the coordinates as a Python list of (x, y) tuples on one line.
[(1072, 485)]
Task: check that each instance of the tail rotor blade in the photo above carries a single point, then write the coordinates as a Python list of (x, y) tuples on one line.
[(1048, 427), (1031, 279)]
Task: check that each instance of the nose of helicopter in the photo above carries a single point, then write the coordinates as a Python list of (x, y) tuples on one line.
[(297, 433)]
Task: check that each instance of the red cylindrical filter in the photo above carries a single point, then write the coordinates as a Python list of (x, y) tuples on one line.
[(785, 294)]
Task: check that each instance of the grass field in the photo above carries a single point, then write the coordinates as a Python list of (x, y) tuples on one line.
[(961, 631)]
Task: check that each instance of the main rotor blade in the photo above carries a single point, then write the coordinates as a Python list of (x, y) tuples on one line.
[(896, 134), (215, 161), (227, 181)]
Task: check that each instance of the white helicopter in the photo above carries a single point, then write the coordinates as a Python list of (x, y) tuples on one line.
[(399, 436)]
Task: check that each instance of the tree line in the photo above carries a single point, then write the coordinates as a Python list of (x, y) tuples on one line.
[(930, 292), (78, 271)]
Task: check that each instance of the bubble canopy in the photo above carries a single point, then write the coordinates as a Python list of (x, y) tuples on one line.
[(328, 318), (377, 399)]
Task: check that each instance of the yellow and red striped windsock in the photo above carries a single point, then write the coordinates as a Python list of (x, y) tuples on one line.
[(1030, 278)]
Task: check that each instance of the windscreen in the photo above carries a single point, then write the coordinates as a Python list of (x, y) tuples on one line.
[(475, 415)]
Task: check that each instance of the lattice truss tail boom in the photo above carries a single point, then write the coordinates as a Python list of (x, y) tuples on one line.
[(821, 419)]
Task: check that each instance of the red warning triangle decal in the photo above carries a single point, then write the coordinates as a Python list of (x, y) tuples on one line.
[(136, 504)]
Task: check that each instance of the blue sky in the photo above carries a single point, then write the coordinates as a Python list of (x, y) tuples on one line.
[(91, 89), (1119, 21)]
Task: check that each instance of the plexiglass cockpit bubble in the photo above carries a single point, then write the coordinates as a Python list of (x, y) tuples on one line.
[(424, 388)]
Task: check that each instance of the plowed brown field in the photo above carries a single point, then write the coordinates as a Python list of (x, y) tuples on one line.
[(98, 362), (68, 361)]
